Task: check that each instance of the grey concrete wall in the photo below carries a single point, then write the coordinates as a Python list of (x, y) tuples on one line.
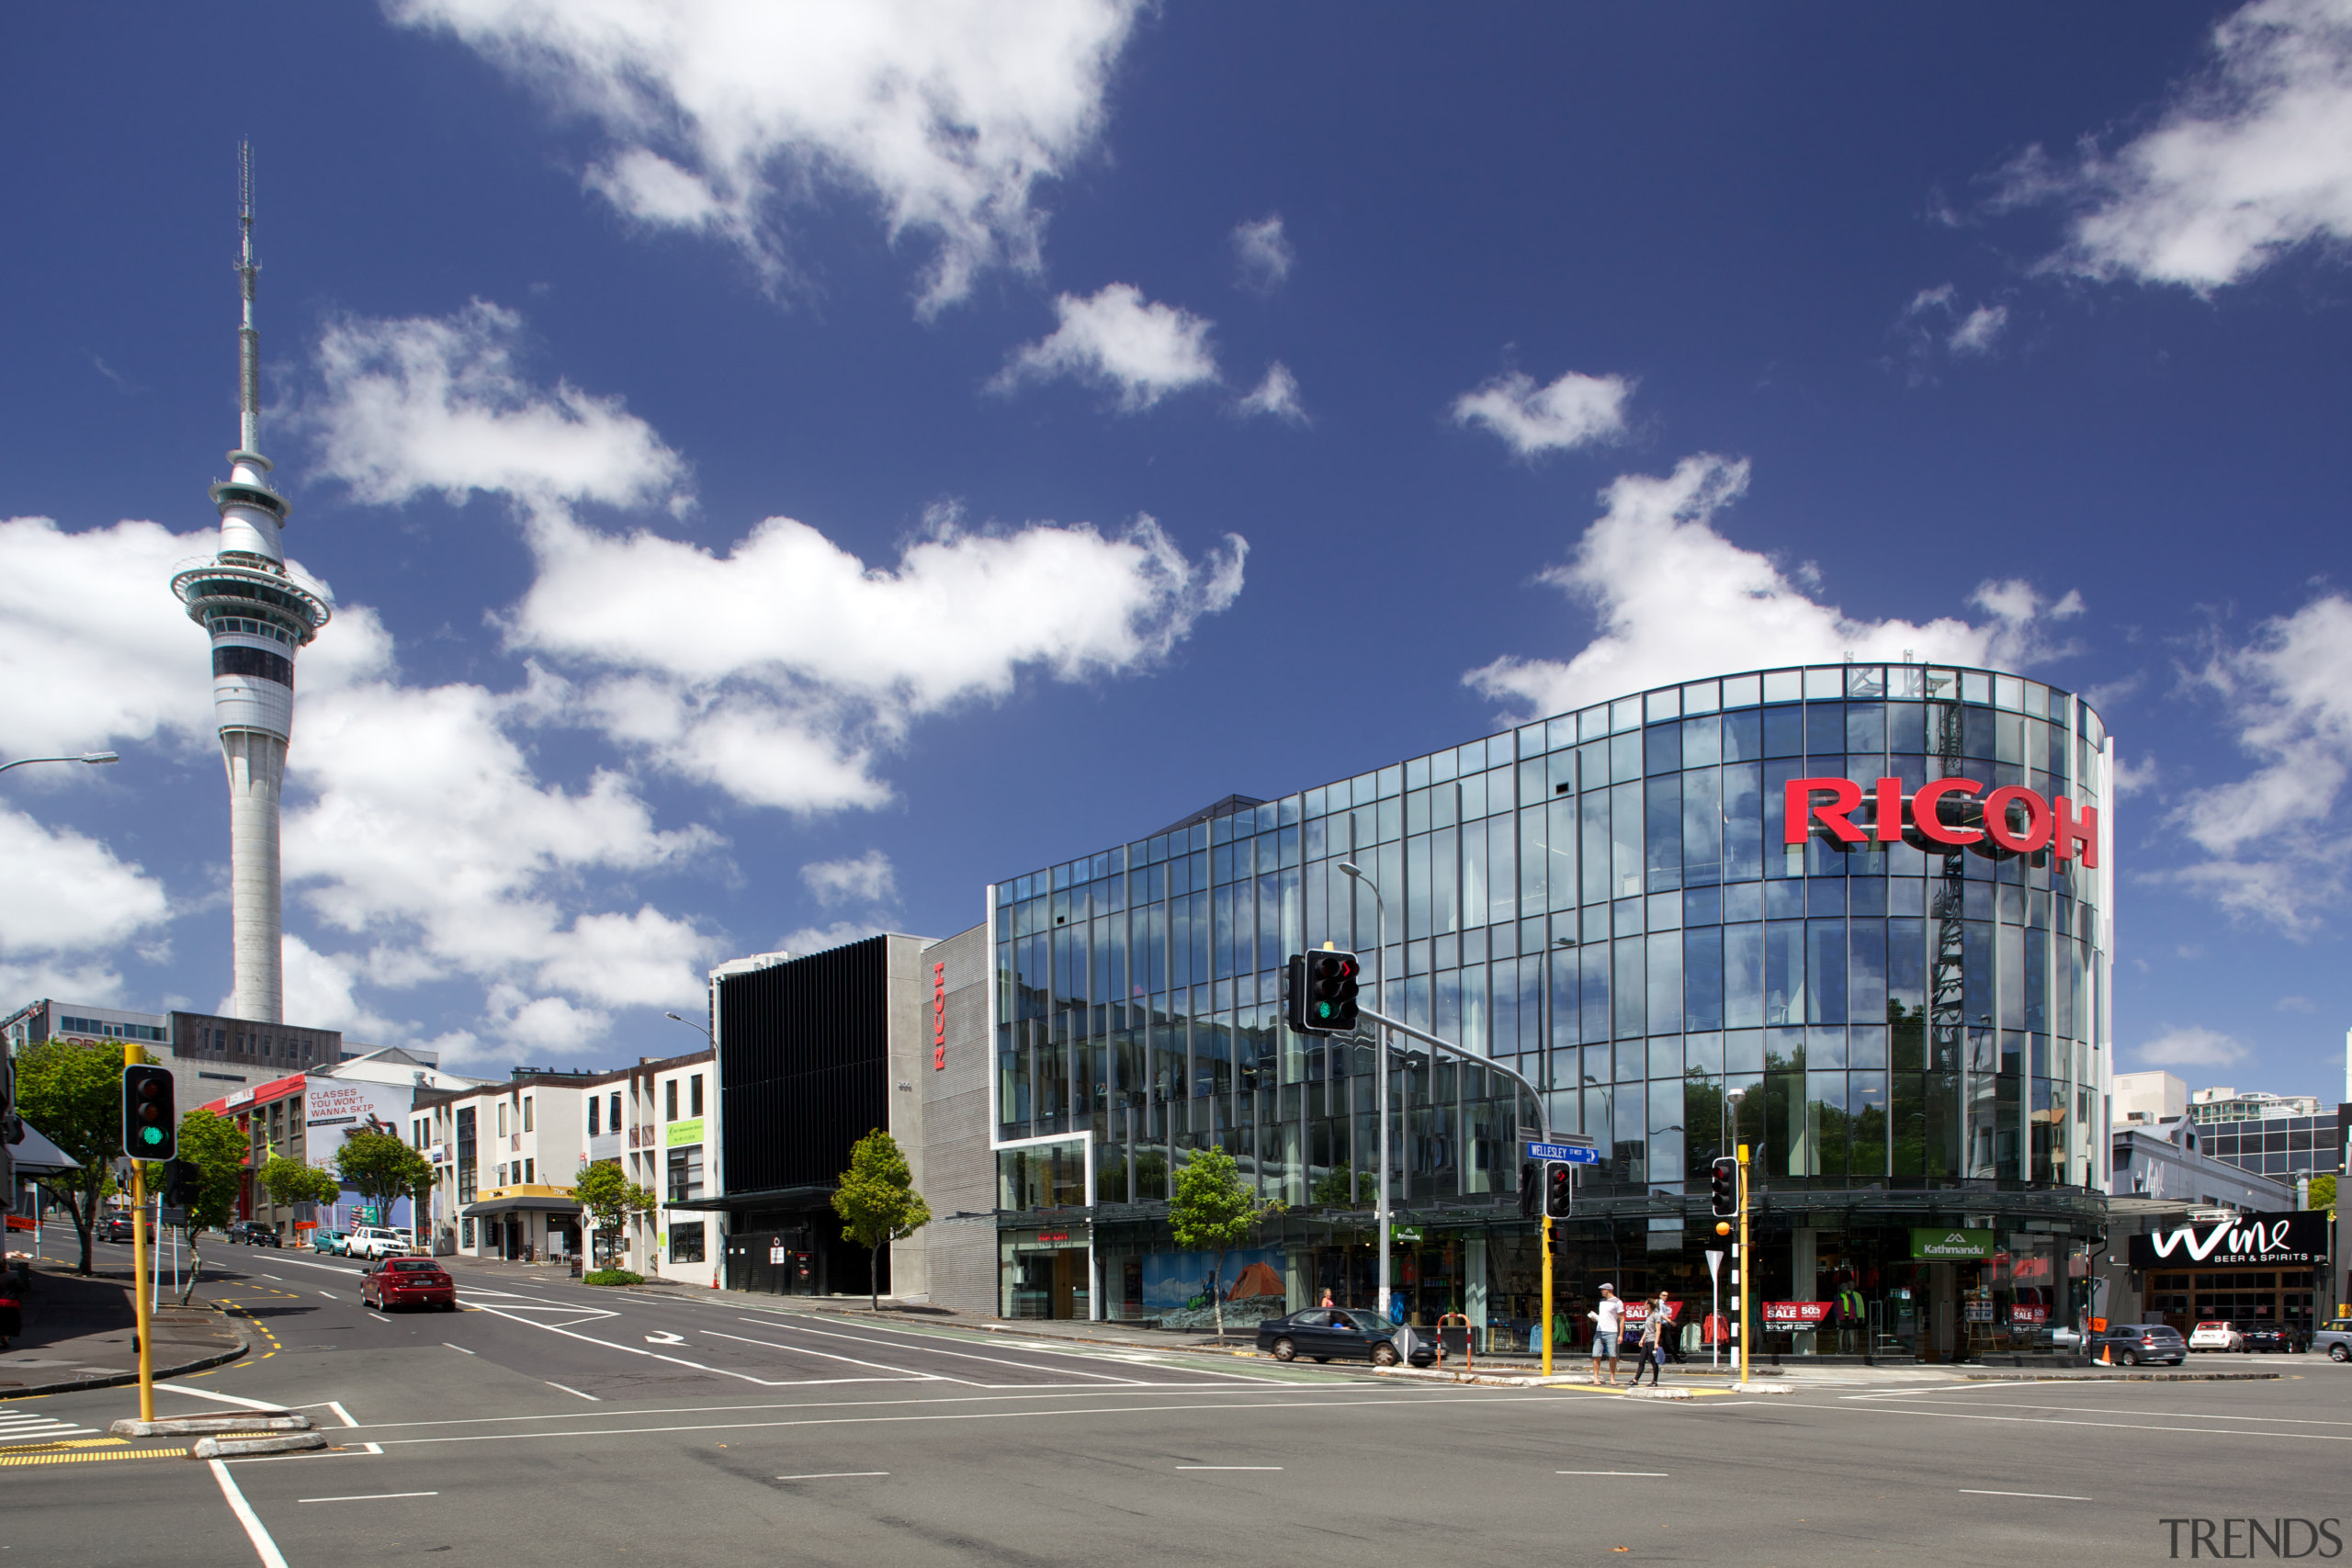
[(906, 1009), (958, 1173)]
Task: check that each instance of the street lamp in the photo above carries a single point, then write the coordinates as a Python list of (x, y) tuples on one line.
[(690, 1023), (93, 758), (1380, 1081)]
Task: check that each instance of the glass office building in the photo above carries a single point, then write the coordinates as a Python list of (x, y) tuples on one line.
[(1909, 1042)]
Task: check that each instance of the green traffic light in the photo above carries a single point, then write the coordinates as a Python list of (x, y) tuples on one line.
[(151, 1135)]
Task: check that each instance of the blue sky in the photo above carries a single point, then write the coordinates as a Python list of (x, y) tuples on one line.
[(779, 471)]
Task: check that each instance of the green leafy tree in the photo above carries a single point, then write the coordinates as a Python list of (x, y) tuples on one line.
[(74, 1094), (1214, 1211), (609, 1198), (216, 1147), (289, 1181), (2323, 1193), (381, 1168), (879, 1204)]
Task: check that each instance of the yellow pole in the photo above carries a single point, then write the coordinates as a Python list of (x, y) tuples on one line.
[(132, 1056), (1548, 1294), (1747, 1274)]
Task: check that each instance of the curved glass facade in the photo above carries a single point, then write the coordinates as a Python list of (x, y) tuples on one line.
[(1604, 900)]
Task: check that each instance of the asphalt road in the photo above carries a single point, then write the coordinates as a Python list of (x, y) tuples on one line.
[(548, 1424)]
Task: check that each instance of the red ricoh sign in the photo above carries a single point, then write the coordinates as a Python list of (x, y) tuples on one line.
[(1940, 817), (938, 1017)]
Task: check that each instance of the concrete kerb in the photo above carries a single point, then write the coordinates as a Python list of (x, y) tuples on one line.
[(119, 1380)]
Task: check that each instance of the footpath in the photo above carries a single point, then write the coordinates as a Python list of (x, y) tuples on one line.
[(81, 1332)]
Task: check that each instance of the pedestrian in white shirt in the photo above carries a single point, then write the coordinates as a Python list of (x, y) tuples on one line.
[(1608, 1324)]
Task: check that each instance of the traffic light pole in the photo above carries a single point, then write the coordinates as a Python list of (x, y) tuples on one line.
[(1547, 1294), (1740, 1291), (141, 1312)]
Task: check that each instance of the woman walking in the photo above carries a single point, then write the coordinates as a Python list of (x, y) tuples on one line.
[(1655, 1328)]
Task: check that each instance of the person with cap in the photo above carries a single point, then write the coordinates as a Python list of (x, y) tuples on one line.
[(1607, 1324)]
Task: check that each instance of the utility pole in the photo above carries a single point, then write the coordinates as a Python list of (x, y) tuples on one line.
[(142, 1310)]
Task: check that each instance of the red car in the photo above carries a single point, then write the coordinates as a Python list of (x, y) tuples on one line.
[(408, 1282)]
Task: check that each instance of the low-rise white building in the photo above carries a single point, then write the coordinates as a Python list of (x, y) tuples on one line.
[(507, 1154)]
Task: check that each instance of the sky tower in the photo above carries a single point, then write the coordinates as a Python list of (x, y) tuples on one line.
[(258, 615)]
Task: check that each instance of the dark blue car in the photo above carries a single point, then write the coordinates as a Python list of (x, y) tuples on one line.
[(1338, 1334)]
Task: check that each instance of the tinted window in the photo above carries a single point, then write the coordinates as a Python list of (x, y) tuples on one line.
[(412, 1265)]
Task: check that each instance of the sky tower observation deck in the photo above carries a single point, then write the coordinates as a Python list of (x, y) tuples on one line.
[(259, 615)]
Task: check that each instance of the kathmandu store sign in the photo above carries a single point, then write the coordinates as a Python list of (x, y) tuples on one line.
[(1940, 817)]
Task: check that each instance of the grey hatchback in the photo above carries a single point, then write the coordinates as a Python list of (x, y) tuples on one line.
[(2335, 1336), (1325, 1334), (2131, 1343)]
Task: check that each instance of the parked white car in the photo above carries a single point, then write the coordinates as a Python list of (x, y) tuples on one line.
[(2215, 1337), (376, 1242)]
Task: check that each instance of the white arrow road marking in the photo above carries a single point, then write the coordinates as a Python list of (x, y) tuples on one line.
[(665, 1339)]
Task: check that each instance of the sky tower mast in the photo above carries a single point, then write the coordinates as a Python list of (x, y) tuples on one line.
[(258, 614)]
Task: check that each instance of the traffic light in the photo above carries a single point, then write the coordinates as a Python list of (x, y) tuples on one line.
[(1320, 994), (150, 1122), (1559, 1189), (1723, 1187), (181, 1178), (12, 1126), (1530, 1189)]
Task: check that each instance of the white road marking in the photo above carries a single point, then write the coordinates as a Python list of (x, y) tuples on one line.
[(551, 1383), (267, 1549), (337, 1405), (570, 1434), (1228, 1467), (460, 1348), (224, 1398), (930, 1341), (306, 1263), (2128, 1425), (1660, 1473), (674, 1361), (901, 1371), (368, 1497), (665, 1338), (961, 1355), (833, 1475), (20, 1427), (330, 1295), (273, 1277), (2045, 1496)]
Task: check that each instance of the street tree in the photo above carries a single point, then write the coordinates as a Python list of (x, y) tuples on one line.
[(381, 1168), (879, 1204), (289, 1182), (608, 1197), (2323, 1193), (1214, 1211), (73, 1093), (216, 1147)]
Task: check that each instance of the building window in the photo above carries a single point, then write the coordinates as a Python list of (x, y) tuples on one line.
[(685, 1242), (595, 1108), (469, 1173), (529, 1168), (502, 1119), (466, 1238), (695, 1095), (685, 1173), (671, 1106), (614, 1118), (527, 1113)]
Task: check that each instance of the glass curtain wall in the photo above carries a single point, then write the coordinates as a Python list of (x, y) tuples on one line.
[(1604, 900)]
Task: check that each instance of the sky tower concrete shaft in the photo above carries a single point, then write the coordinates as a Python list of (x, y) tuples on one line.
[(258, 614)]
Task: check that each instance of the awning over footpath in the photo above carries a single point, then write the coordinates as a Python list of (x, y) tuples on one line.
[(37, 1155), (513, 1205)]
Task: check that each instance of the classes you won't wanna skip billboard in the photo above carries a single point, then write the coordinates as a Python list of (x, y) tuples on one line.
[(340, 1107), (2289, 1239)]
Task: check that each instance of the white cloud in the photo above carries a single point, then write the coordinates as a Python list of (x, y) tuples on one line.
[(430, 404), (1118, 340), (817, 938), (2244, 166), (1276, 395), (869, 878), (1262, 254), (388, 768), (2277, 847), (723, 116), (2296, 1004), (93, 648), (72, 905), (1675, 601), (1980, 330), (1574, 411), (2190, 1047), (320, 993)]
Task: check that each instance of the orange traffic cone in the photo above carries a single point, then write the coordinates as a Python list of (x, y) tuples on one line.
[(714, 1278), (2107, 1354)]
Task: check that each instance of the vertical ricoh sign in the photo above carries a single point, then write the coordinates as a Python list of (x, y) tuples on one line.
[(938, 1017), (1939, 817)]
